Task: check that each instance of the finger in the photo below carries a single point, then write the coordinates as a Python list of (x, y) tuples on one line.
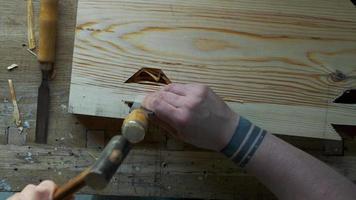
[(28, 192), (161, 108), (48, 184), (176, 88), (172, 98), (197, 89), (150, 99), (45, 189), (167, 127), (147, 101), (164, 125)]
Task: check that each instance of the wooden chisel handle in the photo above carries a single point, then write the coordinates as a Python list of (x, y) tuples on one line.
[(48, 32), (135, 125)]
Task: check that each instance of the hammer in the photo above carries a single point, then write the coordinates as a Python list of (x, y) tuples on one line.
[(100, 173)]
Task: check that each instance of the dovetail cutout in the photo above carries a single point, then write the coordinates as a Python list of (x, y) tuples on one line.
[(345, 131), (149, 76), (348, 97)]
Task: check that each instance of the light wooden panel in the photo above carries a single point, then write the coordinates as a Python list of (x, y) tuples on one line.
[(273, 55)]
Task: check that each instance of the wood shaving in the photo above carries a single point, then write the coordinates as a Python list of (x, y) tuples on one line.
[(31, 52), (233, 100), (92, 155), (16, 112), (149, 76), (11, 67), (30, 31)]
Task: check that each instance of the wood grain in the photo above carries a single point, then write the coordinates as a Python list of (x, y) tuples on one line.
[(66, 130), (262, 52), (146, 172), (294, 120), (27, 77)]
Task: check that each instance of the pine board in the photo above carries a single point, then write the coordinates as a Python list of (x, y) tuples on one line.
[(277, 56)]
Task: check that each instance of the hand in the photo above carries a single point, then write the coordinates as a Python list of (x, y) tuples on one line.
[(196, 113), (43, 191)]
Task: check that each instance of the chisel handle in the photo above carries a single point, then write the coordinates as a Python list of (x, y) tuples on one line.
[(48, 32), (135, 125)]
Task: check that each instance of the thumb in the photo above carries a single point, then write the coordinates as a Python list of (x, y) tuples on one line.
[(45, 190)]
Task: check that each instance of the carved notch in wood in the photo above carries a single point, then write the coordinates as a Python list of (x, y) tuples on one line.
[(346, 131), (348, 97), (149, 76)]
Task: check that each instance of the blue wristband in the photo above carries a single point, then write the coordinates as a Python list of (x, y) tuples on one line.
[(244, 142)]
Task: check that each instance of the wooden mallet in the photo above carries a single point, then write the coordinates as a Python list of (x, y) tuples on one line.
[(100, 173)]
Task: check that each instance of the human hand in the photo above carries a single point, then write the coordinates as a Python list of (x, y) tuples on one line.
[(43, 191), (196, 113)]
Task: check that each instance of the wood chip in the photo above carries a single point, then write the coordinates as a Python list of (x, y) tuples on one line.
[(31, 52), (15, 136), (16, 112), (11, 67), (227, 99), (30, 31), (150, 76)]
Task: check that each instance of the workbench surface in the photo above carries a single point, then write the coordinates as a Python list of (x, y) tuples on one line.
[(161, 166)]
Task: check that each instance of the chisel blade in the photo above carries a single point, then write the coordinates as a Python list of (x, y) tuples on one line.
[(43, 100)]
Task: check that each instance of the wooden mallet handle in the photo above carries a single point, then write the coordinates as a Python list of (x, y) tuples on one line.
[(71, 186), (98, 176)]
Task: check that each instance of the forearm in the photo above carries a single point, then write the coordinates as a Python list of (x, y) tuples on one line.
[(293, 174), (198, 116), (287, 171)]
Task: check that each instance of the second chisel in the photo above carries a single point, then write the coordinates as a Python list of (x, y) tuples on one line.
[(46, 57)]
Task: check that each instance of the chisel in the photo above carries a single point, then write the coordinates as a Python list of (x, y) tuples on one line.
[(46, 57)]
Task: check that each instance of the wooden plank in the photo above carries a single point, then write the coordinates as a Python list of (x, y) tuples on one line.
[(95, 139), (305, 120), (13, 33), (27, 77), (270, 54), (145, 172), (16, 136)]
